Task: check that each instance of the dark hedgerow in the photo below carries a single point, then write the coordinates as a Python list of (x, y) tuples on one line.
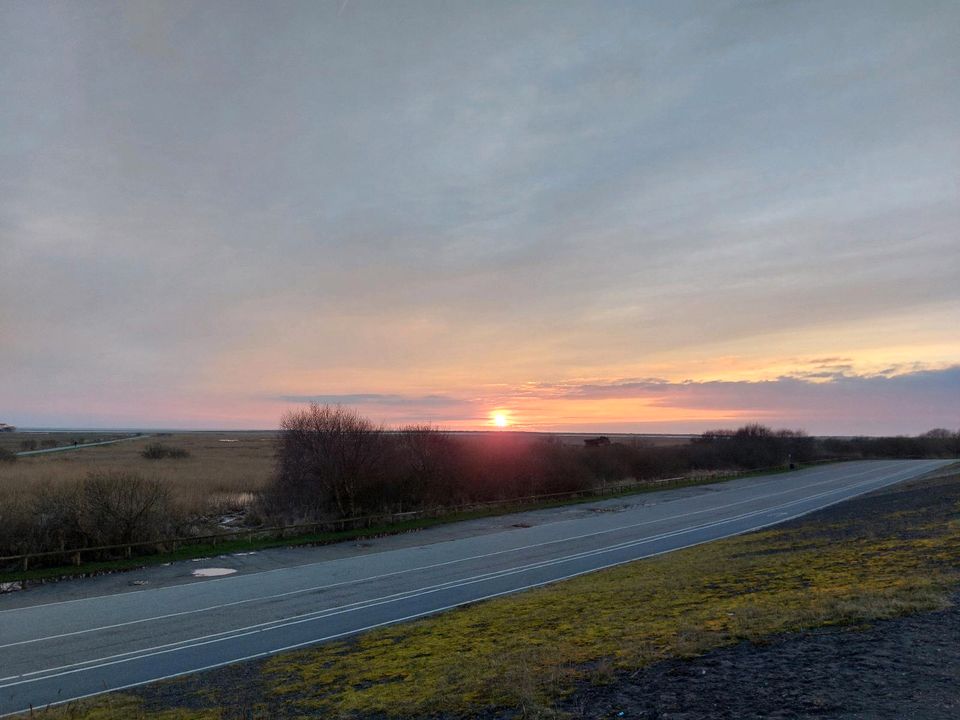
[(159, 451), (7, 455)]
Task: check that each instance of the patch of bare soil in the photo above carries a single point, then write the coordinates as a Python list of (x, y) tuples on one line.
[(908, 667), (904, 668)]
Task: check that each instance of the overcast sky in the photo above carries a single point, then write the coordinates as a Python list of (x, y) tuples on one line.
[(644, 215)]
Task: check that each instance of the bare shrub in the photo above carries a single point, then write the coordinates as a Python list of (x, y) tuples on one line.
[(327, 457), (105, 508), (563, 468), (757, 446), (424, 468), (159, 451), (119, 507), (16, 524), (7, 455)]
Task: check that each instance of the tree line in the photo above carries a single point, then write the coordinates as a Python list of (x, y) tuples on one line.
[(332, 462)]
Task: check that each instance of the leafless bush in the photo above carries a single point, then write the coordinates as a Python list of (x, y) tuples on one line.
[(56, 512), (16, 525), (159, 451), (424, 468), (327, 457), (757, 446), (107, 508), (118, 507)]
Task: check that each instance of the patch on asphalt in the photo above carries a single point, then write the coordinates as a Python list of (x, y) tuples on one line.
[(213, 572)]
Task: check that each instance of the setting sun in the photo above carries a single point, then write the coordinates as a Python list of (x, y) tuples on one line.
[(500, 419)]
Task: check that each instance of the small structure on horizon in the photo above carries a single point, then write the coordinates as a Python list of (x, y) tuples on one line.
[(597, 441), (7, 428)]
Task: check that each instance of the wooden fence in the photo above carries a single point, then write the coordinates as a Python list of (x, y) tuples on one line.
[(75, 556)]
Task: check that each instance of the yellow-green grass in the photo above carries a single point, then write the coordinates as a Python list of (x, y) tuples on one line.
[(886, 558)]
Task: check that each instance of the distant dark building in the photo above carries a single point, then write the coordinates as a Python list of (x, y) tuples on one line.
[(597, 441), (6, 428)]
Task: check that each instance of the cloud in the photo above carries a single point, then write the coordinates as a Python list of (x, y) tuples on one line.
[(845, 404), (210, 202), (359, 399)]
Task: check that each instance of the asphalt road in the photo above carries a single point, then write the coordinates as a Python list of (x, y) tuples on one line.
[(65, 448), (82, 638)]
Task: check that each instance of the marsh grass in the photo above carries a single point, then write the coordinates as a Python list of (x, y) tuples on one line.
[(215, 478), (209, 480)]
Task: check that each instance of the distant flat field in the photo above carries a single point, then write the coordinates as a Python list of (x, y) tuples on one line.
[(220, 465), (13, 441), (646, 440)]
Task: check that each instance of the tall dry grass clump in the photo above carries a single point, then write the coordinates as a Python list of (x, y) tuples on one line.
[(159, 451), (104, 508)]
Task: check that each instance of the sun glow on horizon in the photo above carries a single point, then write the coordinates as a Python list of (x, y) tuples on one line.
[(499, 419)]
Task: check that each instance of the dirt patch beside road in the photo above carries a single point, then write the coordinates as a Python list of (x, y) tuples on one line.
[(903, 668), (907, 667)]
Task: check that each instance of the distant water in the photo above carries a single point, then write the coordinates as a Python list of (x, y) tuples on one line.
[(130, 430)]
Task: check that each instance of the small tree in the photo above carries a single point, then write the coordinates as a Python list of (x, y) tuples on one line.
[(423, 467), (326, 456)]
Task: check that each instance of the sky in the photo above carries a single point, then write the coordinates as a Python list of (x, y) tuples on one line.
[(655, 217)]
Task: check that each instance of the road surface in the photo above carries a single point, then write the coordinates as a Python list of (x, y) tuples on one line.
[(115, 634), (80, 446)]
